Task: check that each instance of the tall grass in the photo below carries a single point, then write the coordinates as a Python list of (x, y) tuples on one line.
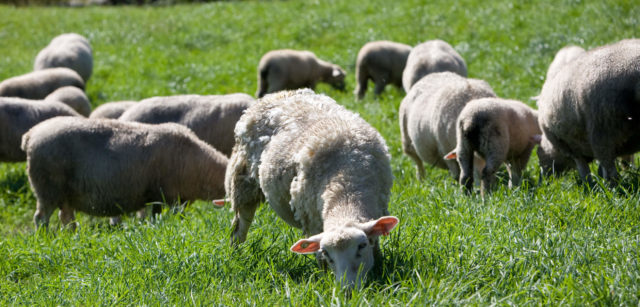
[(554, 243)]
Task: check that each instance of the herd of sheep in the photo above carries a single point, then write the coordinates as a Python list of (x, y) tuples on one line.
[(321, 167)]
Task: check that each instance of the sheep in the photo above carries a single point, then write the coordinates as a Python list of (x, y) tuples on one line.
[(73, 97), (69, 50), (498, 130), (564, 56), (17, 116), (322, 169), (591, 109), (428, 117), (288, 69), (211, 117), (383, 62), (105, 167), (39, 84), (429, 57), (111, 110)]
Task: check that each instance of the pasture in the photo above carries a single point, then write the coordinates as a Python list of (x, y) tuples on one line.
[(552, 243)]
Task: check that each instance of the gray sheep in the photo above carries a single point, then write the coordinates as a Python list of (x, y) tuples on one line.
[(106, 167), (591, 109), (111, 110), (322, 169), (383, 62), (498, 130), (564, 56), (69, 50), (73, 97), (39, 84), (288, 69), (211, 117), (429, 57), (428, 117), (17, 116)]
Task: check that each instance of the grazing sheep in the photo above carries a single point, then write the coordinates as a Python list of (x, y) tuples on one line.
[(591, 109), (288, 69), (429, 57), (212, 117), (17, 116), (322, 169), (428, 117), (564, 56), (73, 97), (69, 50), (39, 84), (106, 167), (111, 110), (498, 130), (383, 62)]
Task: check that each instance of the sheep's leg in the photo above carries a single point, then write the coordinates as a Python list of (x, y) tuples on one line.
[(420, 173), (488, 173), (379, 88), (67, 217), (115, 220), (517, 165), (42, 215), (361, 87), (262, 85), (610, 173), (583, 170)]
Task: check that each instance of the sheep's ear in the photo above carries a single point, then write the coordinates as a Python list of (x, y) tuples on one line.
[(307, 246), (451, 156), (381, 226), (220, 202), (336, 72), (536, 138)]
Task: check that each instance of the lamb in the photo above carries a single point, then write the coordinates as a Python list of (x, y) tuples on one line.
[(428, 117), (17, 116), (498, 130), (39, 84), (106, 167), (73, 97), (591, 109), (429, 57), (69, 50), (323, 169), (211, 117), (111, 110), (383, 62), (288, 69)]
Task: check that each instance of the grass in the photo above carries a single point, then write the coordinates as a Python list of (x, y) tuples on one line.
[(553, 243)]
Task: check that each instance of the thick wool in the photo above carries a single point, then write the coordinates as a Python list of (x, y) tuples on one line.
[(591, 109), (211, 117), (288, 69), (111, 110), (430, 57), (382, 62), (69, 50), (17, 116), (73, 97), (106, 167), (39, 84), (428, 117)]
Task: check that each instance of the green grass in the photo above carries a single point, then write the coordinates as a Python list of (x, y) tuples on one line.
[(551, 244)]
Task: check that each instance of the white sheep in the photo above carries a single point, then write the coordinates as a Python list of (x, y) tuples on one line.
[(322, 169), (39, 84), (211, 117), (383, 62), (17, 116), (111, 110), (591, 109), (288, 69), (69, 50), (498, 130), (106, 167), (428, 117), (429, 57), (73, 97)]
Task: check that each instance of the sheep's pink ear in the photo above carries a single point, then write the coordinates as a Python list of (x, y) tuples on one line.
[(220, 202), (307, 246), (451, 156), (381, 226), (536, 138)]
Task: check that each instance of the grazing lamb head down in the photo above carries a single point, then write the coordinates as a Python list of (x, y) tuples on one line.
[(349, 251), (337, 78)]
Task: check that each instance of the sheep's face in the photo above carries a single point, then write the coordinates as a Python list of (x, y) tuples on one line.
[(348, 251), (552, 162), (337, 78)]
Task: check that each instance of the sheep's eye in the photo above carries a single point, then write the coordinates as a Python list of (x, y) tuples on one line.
[(362, 245)]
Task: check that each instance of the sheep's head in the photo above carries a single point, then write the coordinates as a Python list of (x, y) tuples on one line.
[(337, 78), (349, 251), (552, 162)]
